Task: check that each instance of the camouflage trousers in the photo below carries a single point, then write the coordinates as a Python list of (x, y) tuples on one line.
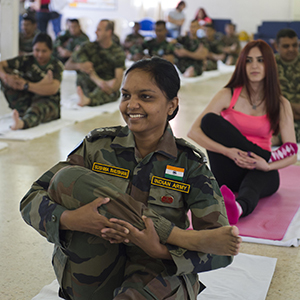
[(33, 109), (210, 65), (89, 267), (183, 64), (93, 92)]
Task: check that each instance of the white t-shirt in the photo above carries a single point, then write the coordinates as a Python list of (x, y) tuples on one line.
[(176, 15)]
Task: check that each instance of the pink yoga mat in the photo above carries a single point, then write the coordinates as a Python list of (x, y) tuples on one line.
[(273, 215)]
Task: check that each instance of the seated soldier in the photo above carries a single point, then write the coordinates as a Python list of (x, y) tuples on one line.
[(133, 43), (231, 45), (190, 52), (31, 84), (288, 66), (28, 32), (70, 40), (214, 46), (159, 46), (99, 67)]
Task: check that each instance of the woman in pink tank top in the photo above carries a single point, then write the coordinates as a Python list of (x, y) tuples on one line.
[(236, 129)]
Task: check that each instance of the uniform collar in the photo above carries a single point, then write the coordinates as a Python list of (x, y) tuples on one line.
[(289, 63), (166, 146)]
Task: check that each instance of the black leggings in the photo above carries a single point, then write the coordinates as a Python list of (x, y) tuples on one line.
[(251, 185)]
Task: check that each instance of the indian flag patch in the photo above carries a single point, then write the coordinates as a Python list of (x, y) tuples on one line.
[(174, 173)]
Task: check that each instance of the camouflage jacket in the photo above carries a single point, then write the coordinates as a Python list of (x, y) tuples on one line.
[(68, 41), (27, 67), (229, 41), (150, 180), (289, 78), (25, 44), (214, 46), (158, 49), (105, 61), (184, 62)]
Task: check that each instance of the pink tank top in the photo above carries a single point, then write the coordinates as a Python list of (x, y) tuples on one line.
[(255, 128)]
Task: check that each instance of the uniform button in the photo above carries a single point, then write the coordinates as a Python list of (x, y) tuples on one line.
[(53, 218)]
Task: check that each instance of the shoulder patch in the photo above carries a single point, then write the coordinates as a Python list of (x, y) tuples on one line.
[(103, 132), (197, 151)]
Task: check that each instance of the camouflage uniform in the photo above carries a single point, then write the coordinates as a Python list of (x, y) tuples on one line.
[(229, 41), (136, 47), (158, 49), (25, 44), (289, 78), (105, 62), (107, 163), (215, 46), (33, 108), (185, 62), (69, 42)]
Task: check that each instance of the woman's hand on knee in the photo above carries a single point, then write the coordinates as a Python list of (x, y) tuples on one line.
[(87, 218)]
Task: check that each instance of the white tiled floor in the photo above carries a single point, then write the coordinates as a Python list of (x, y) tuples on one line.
[(25, 256)]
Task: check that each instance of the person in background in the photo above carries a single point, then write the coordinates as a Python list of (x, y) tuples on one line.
[(28, 32), (159, 46), (190, 52), (288, 66), (118, 228), (69, 41), (31, 84), (231, 45), (45, 13), (236, 129), (133, 43), (215, 48), (100, 66), (176, 18)]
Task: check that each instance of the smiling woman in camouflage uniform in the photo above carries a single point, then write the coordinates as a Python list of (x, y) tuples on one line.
[(31, 85), (145, 176)]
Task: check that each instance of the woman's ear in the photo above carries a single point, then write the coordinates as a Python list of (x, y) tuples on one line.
[(172, 105)]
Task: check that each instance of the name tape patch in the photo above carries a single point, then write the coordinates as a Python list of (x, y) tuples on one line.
[(170, 184), (110, 170)]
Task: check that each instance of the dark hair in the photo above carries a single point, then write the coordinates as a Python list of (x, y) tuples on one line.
[(160, 22), (272, 92), (164, 74), (203, 11), (110, 25), (286, 32), (29, 17), (43, 37), (73, 21), (180, 3)]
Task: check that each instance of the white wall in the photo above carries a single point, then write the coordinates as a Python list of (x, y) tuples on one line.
[(9, 28)]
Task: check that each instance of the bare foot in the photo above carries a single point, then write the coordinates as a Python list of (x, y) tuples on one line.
[(83, 100), (220, 241), (17, 122), (189, 72)]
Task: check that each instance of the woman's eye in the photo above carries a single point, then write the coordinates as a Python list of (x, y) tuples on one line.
[(125, 96), (146, 97), (260, 60), (248, 60)]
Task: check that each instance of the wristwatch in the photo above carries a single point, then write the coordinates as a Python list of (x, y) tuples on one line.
[(25, 87)]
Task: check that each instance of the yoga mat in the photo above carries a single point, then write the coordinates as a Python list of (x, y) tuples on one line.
[(273, 215), (3, 146), (31, 133), (247, 278)]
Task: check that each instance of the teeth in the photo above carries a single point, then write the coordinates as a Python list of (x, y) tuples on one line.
[(136, 116)]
